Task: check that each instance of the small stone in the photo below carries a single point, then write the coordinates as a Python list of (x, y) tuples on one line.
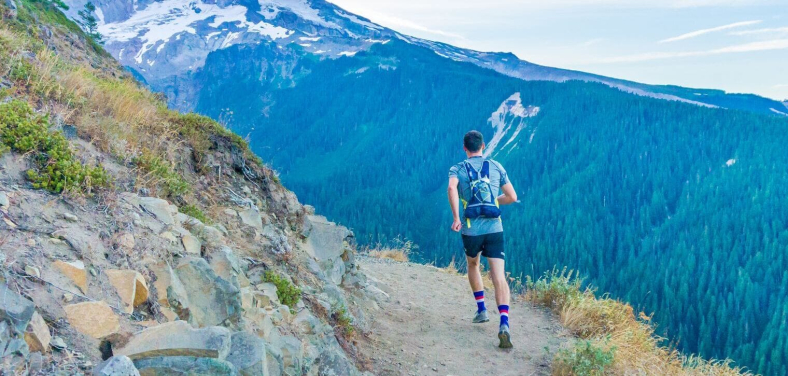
[(32, 271), (57, 343), (70, 217), (75, 271), (37, 335), (118, 365), (125, 242), (4, 201), (31, 242), (130, 286), (166, 235), (95, 319), (68, 297), (36, 362)]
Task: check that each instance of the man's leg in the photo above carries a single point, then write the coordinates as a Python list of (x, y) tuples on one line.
[(495, 257), (498, 276), (473, 247), (474, 274)]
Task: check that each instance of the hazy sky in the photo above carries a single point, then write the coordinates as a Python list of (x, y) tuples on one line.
[(734, 45)]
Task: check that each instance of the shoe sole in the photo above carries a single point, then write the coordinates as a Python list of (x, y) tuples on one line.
[(479, 322), (506, 341)]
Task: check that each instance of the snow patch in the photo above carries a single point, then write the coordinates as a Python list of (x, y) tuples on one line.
[(348, 53), (305, 45), (302, 8), (212, 34), (730, 162), (160, 21), (357, 20), (510, 115), (228, 40), (778, 112), (310, 39)]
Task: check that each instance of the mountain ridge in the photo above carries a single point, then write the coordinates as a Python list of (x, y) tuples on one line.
[(316, 27)]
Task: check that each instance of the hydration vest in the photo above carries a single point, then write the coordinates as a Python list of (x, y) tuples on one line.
[(482, 203)]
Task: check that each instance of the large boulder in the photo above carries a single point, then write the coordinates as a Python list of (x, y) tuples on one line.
[(206, 299), (248, 354), (95, 319), (184, 366), (159, 208), (332, 363), (178, 339), (15, 308), (327, 243), (130, 286)]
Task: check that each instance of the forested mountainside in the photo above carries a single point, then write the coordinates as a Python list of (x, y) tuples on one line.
[(676, 208)]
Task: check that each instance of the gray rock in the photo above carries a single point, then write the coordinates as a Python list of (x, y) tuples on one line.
[(177, 338), (210, 300), (15, 308), (160, 209), (306, 322), (12, 342), (70, 217), (248, 354), (327, 239), (183, 366), (116, 366), (292, 351), (332, 363), (57, 343), (251, 217), (36, 362), (4, 201)]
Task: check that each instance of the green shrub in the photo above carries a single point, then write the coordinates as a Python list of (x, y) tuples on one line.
[(344, 321), (194, 211), (288, 293), (585, 359), (162, 172), (56, 167)]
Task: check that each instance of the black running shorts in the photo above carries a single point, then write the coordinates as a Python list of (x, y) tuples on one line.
[(490, 245)]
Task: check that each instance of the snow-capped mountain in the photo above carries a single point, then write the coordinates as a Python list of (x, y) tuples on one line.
[(168, 42)]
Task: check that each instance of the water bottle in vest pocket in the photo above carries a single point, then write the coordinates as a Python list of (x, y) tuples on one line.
[(482, 203)]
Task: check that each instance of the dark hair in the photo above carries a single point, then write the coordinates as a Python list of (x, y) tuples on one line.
[(473, 141)]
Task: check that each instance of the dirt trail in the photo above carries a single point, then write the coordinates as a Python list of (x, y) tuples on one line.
[(425, 327)]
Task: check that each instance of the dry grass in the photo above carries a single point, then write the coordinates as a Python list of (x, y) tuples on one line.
[(108, 107), (399, 252), (611, 327)]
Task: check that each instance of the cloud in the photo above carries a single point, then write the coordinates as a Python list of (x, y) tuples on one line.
[(775, 30), (770, 45), (698, 33)]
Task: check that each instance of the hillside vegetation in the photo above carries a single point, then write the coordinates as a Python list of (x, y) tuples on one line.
[(676, 208), (136, 238)]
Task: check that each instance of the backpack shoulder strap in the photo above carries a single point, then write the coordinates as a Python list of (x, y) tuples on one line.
[(485, 169), (472, 174)]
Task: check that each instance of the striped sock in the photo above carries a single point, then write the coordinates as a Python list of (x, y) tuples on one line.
[(504, 310), (479, 295)]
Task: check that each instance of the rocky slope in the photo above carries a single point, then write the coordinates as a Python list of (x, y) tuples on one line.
[(131, 246)]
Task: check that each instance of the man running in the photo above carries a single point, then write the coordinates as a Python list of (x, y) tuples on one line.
[(477, 182)]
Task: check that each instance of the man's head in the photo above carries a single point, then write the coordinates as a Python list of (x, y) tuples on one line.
[(473, 142)]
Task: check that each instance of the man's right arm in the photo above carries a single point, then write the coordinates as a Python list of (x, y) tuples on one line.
[(454, 202)]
